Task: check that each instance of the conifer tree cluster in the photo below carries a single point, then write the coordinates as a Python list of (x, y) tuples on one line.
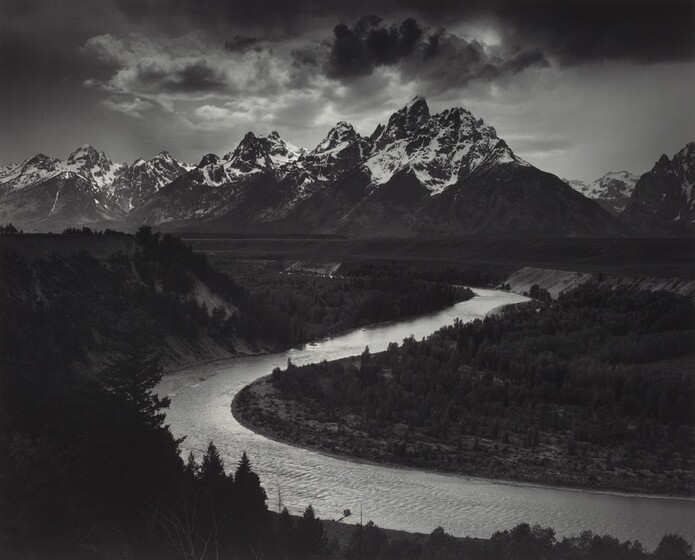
[(583, 377), (227, 516)]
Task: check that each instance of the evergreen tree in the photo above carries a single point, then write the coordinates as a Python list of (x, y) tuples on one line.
[(134, 374), (311, 539), (366, 542), (247, 488), (674, 547), (212, 467), (192, 469), (249, 502), (284, 540)]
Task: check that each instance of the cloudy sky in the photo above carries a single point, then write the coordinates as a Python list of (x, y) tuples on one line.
[(576, 87)]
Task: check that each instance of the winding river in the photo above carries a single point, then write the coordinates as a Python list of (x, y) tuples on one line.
[(397, 498)]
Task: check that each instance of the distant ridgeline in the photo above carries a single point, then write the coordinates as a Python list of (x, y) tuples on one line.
[(596, 388)]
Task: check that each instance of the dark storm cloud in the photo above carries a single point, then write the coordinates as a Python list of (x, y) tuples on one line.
[(573, 31), (448, 61), (441, 59), (18, 7), (580, 30), (576, 31), (193, 77), (131, 72), (525, 59), (241, 43), (215, 14), (355, 51)]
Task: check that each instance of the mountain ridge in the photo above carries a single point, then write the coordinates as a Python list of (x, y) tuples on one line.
[(419, 173), (663, 198)]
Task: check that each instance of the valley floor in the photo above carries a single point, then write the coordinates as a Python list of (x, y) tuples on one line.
[(660, 257)]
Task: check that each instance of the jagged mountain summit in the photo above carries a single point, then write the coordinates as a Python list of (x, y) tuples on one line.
[(436, 148), (86, 187), (417, 174), (663, 197), (134, 183), (94, 166), (612, 191), (260, 154), (443, 174)]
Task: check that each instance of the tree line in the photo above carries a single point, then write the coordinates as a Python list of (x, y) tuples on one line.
[(583, 373), (9, 229), (295, 307), (86, 230), (523, 542)]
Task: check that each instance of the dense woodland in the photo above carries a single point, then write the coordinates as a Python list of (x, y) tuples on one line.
[(85, 455), (582, 376), (523, 542), (298, 306), (88, 467)]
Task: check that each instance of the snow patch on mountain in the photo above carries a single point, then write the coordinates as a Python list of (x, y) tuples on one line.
[(94, 166), (346, 179), (612, 190), (440, 149)]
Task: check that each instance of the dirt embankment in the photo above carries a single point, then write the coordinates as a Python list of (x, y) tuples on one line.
[(557, 281)]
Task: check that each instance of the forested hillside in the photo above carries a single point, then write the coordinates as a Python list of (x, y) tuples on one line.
[(88, 467), (306, 306), (595, 388)]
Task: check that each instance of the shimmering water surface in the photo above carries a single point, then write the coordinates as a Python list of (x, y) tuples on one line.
[(397, 498)]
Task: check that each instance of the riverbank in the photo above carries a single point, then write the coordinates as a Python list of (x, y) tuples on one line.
[(260, 408), (406, 499)]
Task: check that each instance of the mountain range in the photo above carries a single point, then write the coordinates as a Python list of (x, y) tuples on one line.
[(612, 191), (417, 174), (87, 187)]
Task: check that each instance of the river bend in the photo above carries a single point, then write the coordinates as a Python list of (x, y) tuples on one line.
[(392, 497)]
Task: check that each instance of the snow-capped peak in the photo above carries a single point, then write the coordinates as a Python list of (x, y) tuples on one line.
[(93, 165), (165, 158), (261, 153), (404, 121), (209, 159), (40, 160), (280, 151), (32, 170), (612, 190), (340, 137), (439, 149), (250, 156), (686, 156), (684, 162), (87, 153)]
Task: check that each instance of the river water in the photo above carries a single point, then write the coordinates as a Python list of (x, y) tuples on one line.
[(397, 498)]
